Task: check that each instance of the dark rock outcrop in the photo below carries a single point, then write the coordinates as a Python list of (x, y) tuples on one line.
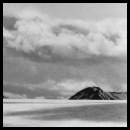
[(96, 93)]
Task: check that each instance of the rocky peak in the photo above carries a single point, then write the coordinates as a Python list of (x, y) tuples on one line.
[(93, 93)]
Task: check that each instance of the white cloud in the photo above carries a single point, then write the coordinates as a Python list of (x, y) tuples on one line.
[(14, 96), (7, 34), (67, 87), (70, 87), (64, 88), (124, 87), (41, 36), (73, 85), (41, 97), (67, 38)]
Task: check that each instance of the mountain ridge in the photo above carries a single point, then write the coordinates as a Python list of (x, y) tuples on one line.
[(96, 93)]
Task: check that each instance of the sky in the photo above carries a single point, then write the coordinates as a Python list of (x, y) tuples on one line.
[(53, 50)]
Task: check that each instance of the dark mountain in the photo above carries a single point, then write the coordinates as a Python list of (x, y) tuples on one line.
[(96, 93)]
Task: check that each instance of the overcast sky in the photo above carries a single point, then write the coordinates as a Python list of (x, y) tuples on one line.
[(54, 50)]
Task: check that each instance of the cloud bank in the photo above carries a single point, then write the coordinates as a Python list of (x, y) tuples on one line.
[(64, 88), (101, 45), (48, 37), (14, 96)]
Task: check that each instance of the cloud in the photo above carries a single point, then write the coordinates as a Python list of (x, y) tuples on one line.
[(7, 34), (14, 96), (124, 87), (31, 90), (64, 88), (73, 85), (48, 37), (9, 22), (68, 87), (92, 50), (41, 97)]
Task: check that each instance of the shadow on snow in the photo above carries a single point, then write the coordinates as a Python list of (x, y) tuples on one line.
[(107, 112)]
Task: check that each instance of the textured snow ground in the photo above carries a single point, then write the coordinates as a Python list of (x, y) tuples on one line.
[(64, 113)]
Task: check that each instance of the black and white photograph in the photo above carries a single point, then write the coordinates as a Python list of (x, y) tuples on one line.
[(64, 64)]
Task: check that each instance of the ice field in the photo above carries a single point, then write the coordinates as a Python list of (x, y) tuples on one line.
[(64, 113)]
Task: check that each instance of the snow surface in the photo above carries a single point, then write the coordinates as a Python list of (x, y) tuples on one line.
[(64, 113)]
